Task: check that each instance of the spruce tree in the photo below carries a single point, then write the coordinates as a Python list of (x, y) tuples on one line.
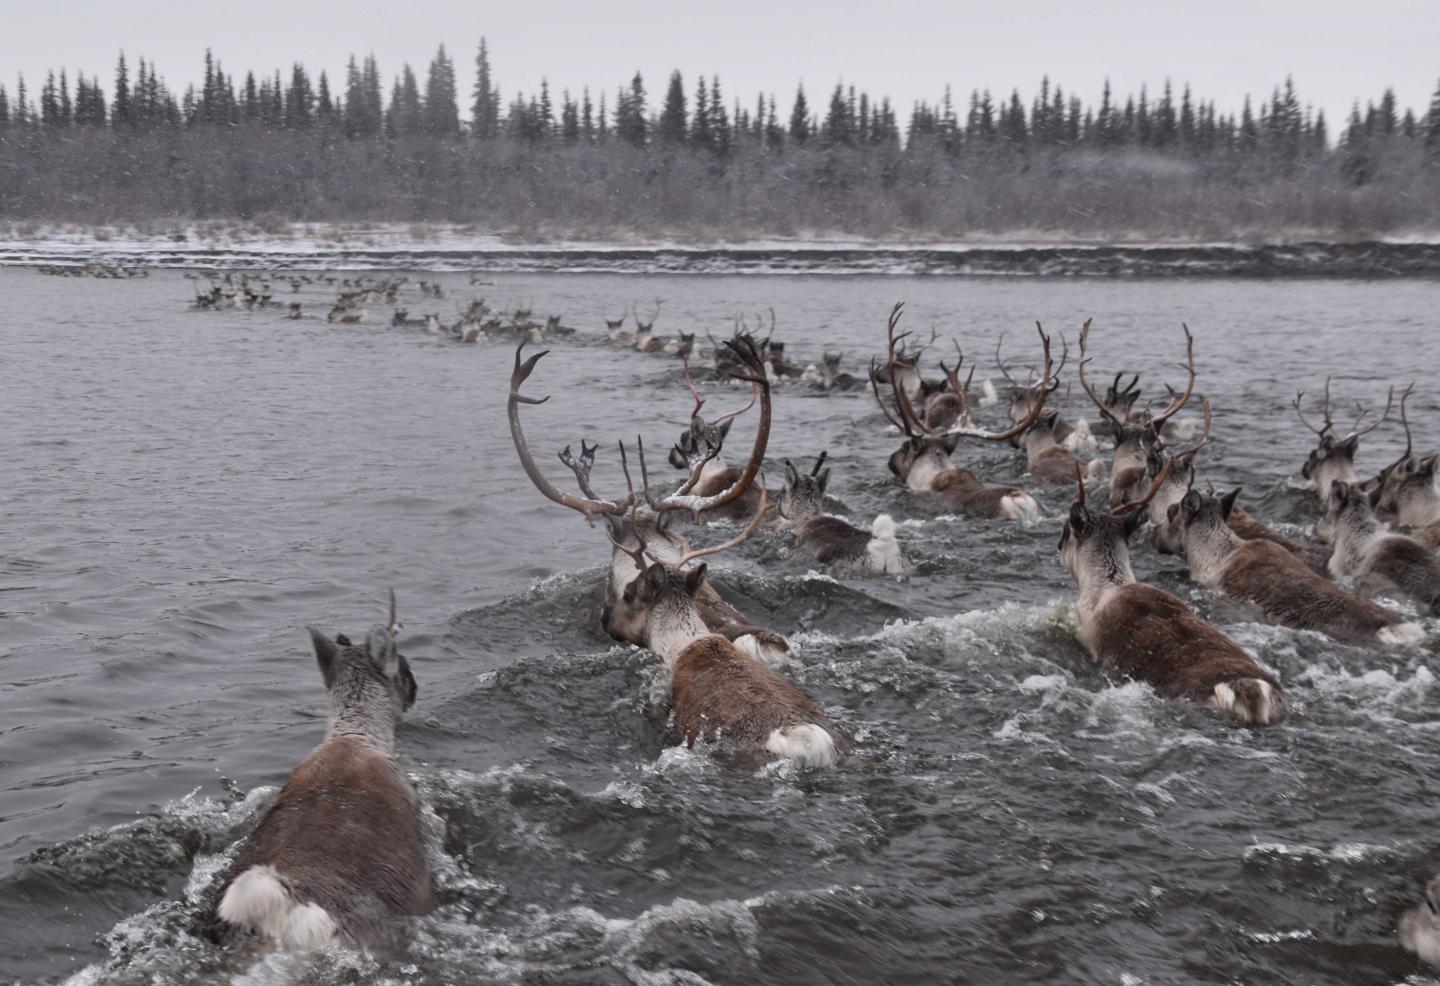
[(800, 117), (702, 134), (442, 114), (721, 139), (121, 102), (485, 107), (671, 128), (65, 105), (4, 109)]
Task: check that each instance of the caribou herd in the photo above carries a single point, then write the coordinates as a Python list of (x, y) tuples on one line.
[(307, 878)]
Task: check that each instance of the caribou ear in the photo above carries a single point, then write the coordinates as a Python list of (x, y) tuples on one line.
[(792, 475), (725, 428), (823, 480), (1227, 502), (1079, 516), (697, 427), (1427, 465), (694, 578), (951, 442), (656, 577), (325, 654), (1190, 505), (1350, 445), (1340, 492), (1172, 512)]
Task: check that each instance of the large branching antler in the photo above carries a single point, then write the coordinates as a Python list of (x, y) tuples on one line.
[(683, 499), (960, 390), (875, 385), (1157, 421), (1404, 423), (589, 505), (1325, 408), (1356, 431), (1042, 390), (1000, 364), (689, 554), (1124, 508), (1105, 409)]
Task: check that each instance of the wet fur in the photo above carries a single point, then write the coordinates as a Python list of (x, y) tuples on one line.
[(340, 852), (1377, 557), (1273, 580), (722, 694)]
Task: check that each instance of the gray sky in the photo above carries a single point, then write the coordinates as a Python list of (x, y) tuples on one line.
[(1337, 50)]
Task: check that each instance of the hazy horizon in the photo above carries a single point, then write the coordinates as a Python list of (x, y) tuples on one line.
[(1224, 51)]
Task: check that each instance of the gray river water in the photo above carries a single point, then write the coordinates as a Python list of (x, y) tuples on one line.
[(185, 491)]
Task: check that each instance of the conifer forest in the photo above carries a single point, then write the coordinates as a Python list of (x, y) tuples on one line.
[(688, 156)]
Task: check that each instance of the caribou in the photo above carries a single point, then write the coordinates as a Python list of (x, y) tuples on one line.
[(1379, 559), (1406, 487), (1273, 581), (1139, 632), (923, 462), (831, 378), (1333, 460), (1180, 479), (721, 692), (834, 541), (1134, 435), (629, 530), (340, 855)]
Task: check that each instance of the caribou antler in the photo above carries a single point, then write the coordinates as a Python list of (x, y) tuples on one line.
[(1000, 363), (589, 505), (880, 399), (1085, 384), (1405, 423), (1157, 421), (683, 499), (1045, 387), (689, 554), (1299, 413), (1355, 431), (690, 382), (1159, 481), (961, 391), (581, 466)]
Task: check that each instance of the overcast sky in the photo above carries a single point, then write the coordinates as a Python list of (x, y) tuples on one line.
[(1337, 50)]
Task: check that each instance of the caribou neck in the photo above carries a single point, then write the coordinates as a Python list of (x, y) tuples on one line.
[(361, 709), (1207, 550), (675, 624)]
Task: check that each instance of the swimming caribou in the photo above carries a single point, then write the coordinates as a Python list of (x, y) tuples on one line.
[(720, 692), (339, 855), (1406, 487), (1138, 632), (628, 529), (1333, 460), (1134, 435), (834, 541), (1272, 580), (1179, 472), (923, 462)]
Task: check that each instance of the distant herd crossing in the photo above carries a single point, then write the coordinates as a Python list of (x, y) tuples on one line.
[(305, 878)]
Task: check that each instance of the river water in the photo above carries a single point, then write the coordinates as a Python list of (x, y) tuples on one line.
[(185, 491)]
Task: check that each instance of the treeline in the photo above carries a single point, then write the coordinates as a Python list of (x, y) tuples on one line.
[(295, 147)]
